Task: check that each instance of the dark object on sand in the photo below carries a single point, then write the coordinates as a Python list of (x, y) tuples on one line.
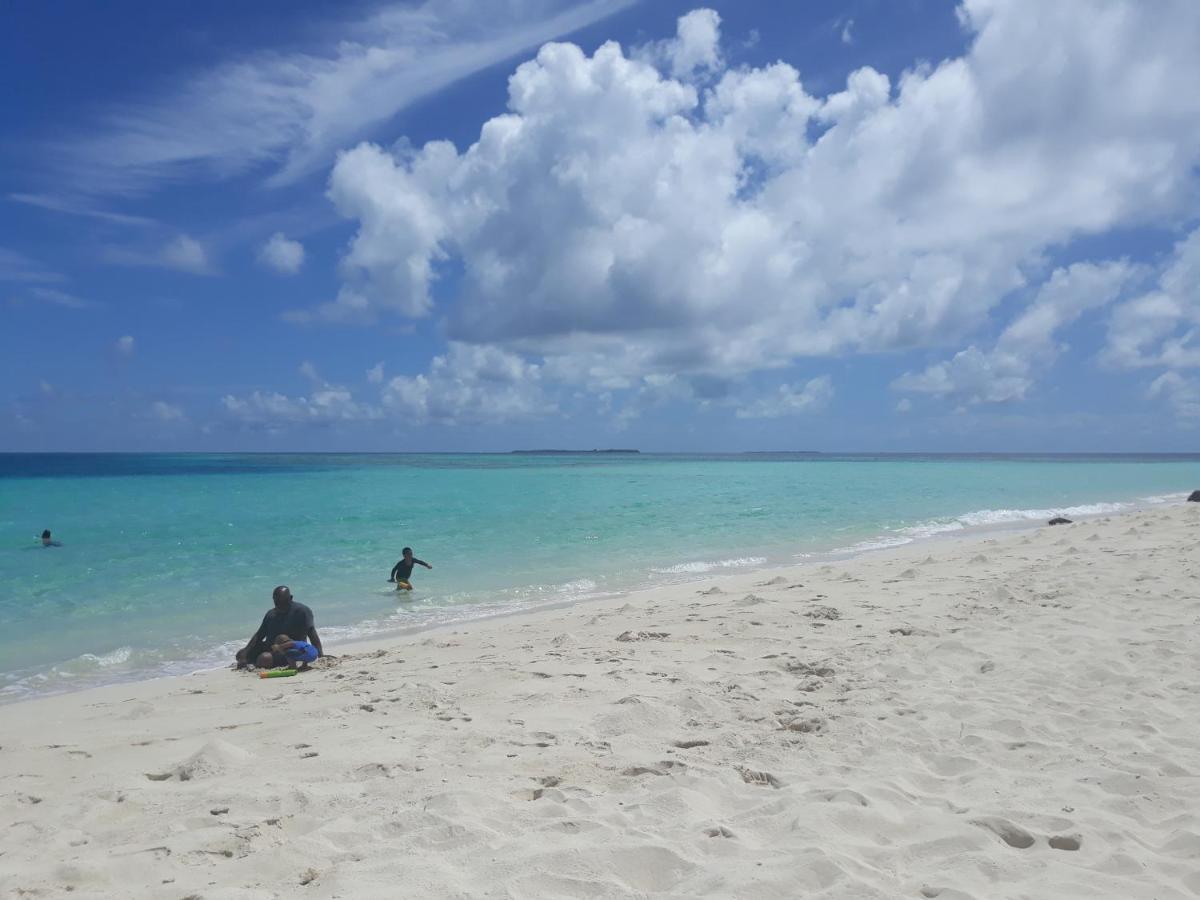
[(1060, 520), (1194, 497)]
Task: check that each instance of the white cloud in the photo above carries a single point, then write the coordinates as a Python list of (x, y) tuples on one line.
[(790, 400), (1162, 327), (186, 254), (76, 207), (124, 345), (904, 405), (744, 227), (470, 385), (166, 412), (183, 253), (281, 254), (847, 33), (309, 371), (1026, 348), (17, 267), (1180, 392), (272, 411), (375, 374), (290, 111), (695, 49), (53, 297)]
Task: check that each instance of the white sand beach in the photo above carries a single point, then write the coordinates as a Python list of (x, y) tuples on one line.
[(1004, 717)]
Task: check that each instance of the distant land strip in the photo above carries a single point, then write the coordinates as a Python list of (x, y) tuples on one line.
[(567, 452)]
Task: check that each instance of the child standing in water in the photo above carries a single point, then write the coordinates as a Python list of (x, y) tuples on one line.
[(402, 571)]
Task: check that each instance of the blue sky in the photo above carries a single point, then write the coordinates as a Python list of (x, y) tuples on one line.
[(873, 225)]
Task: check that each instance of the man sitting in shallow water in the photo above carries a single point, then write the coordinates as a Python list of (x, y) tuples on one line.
[(285, 618)]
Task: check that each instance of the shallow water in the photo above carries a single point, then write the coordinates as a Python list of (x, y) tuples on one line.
[(169, 560)]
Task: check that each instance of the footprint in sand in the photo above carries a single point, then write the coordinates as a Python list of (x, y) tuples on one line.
[(802, 668), (718, 831), (688, 745), (778, 579), (804, 726), (827, 613), (636, 771), (211, 759), (851, 798), (1011, 834), (750, 600), (710, 591), (754, 776), (1066, 842), (643, 636)]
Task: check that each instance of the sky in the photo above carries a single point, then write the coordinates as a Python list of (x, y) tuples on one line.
[(869, 225)]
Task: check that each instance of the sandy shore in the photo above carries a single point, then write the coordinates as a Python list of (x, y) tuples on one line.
[(993, 718)]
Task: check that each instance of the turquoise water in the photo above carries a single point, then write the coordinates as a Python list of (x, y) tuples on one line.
[(168, 561)]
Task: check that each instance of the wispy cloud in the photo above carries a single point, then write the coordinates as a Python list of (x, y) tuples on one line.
[(19, 268), (75, 207), (288, 113), (55, 297)]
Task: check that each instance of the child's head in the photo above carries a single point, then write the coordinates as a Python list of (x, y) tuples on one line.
[(406, 552), (281, 639)]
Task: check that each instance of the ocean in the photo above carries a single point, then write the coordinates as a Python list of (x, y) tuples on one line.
[(168, 561)]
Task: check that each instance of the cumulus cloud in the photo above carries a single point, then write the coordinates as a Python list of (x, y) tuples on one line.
[(1026, 348), (696, 47), (470, 385), (375, 374), (283, 255), (1162, 326), (166, 412), (790, 400), (182, 253), (326, 404), (186, 254), (744, 225), (124, 345), (272, 411), (1181, 393)]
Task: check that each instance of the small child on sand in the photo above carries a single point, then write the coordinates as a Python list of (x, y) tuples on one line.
[(298, 653)]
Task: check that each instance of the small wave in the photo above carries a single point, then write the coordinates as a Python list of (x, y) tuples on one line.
[(706, 566), (1003, 516), (117, 657), (994, 518)]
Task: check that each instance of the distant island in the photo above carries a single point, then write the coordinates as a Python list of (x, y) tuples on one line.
[(567, 452)]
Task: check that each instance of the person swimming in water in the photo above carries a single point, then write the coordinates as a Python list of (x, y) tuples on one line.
[(47, 542), (402, 571)]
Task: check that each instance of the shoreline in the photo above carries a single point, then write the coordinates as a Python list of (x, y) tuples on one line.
[(929, 532), (985, 717)]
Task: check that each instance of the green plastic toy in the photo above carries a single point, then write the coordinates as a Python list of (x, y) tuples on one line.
[(277, 673)]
